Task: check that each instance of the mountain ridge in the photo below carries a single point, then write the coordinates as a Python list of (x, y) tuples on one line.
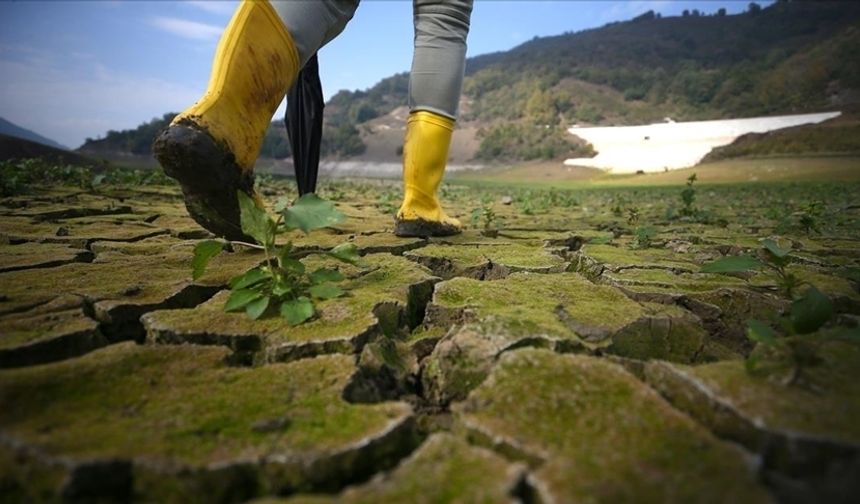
[(790, 57), (11, 129)]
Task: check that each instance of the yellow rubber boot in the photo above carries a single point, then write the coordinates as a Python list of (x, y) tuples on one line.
[(211, 147), (425, 153)]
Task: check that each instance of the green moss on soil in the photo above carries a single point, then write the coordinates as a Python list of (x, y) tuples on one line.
[(444, 469), (78, 231), (604, 436), (829, 284), (386, 280), (660, 280), (528, 301), (515, 256), (184, 405), (830, 412), (17, 331), (118, 278), (615, 258), (385, 242), (41, 255)]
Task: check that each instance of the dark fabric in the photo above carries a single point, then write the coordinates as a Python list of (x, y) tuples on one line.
[(304, 120)]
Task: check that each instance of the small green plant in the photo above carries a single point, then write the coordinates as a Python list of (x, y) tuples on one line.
[(809, 219), (792, 349), (526, 207), (332, 192), (688, 198), (21, 175), (18, 176), (771, 256), (388, 202), (619, 203), (486, 218), (282, 283), (643, 237)]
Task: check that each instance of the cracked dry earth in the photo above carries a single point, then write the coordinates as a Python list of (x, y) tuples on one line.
[(552, 362)]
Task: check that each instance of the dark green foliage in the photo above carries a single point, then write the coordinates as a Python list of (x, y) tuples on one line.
[(807, 139), (203, 252), (136, 141), (282, 283), (643, 237), (700, 66), (276, 144), (485, 218), (522, 141), (810, 311), (341, 141), (771, 256), (18, 176), (794, 346), (688, 197)]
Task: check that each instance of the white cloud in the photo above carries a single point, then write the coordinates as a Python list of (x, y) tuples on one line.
[(70, 99), (220, 7), (187, 29)]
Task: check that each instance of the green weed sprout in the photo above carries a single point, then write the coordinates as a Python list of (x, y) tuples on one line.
[(772, 257), (688, 198), (793, 348), (282, 283), (486, 217), (388, 202), (643, 237)]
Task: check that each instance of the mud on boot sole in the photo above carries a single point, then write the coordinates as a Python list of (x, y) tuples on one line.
[(208, 175), (421, 228)]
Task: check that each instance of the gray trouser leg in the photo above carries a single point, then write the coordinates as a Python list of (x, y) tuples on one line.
[(313, 24), (439, 59)]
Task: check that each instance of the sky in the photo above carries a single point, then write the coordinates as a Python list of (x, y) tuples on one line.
[(76, 69)]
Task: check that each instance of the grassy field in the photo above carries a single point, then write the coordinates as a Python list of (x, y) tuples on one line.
[(766, 169)]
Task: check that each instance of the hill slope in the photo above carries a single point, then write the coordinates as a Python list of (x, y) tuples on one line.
[(19, 148), (13, 130), (790, 57)]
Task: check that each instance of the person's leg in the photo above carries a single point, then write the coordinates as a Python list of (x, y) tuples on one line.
[(211, 147), (435, 83)]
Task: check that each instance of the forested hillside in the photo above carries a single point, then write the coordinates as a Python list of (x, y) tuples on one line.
[(789, 57)]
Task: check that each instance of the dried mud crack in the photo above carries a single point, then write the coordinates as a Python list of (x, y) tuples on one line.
[(556, 359)]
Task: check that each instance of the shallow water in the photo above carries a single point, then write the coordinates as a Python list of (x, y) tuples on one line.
[(670, 145)]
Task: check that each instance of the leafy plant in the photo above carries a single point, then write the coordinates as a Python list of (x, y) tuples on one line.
[(793, 348), (282, 283), (527, 207), (809, 219), (688, 198), (487, 217), (771, 256), (19, 176), (619, 203), (643, 236), (388, 202), (16, 176)]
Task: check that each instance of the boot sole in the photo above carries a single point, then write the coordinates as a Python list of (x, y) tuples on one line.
[(208, 175), (420, 228)]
